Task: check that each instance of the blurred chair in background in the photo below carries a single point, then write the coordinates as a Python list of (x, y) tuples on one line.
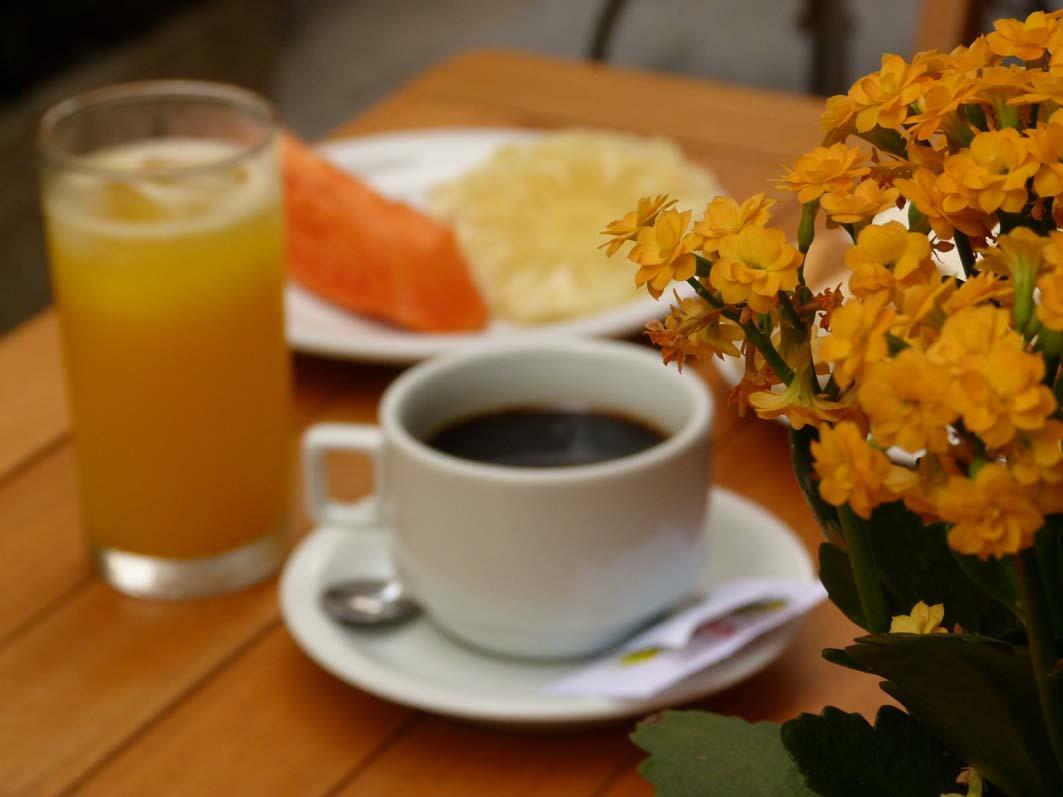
[(941, 25), (323, 60)]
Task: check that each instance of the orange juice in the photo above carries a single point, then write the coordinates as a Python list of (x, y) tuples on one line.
[(169, 288)]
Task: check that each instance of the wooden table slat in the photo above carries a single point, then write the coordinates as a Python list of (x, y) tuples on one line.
[(86, 678), (101, 694), (309, 731), (572, 763), (739, 120), (42, 547)]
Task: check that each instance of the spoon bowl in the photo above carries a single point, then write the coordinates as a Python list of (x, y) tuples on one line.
[(368, 602)]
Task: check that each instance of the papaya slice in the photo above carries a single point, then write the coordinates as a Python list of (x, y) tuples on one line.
[(367, 253)]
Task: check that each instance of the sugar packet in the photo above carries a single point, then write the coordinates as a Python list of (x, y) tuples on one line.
[(702, 634)]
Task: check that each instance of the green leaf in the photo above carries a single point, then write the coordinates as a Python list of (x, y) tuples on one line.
[(916, 564), (975, 694), (1049, 546), (976, 116), (841, 755), (885, 139), (836, 573), (697, 754), (801, 455), (995, 576)]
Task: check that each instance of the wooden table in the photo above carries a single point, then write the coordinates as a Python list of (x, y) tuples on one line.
[(104, 695)]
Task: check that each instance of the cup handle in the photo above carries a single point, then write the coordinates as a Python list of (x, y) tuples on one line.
[(318, 440)]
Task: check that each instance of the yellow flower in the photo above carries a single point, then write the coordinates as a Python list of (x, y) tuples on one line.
[(887, 256), (1024, 40), (799, 404), (627, 228), (975, 56), (1050, 310), (998, 86), (857, 337), (850, 470), (924, 191), (1037, 456), (825, 169), (664, 252), (922, 309), (993, 515), (753, 265), (939, 108), (1004, 395), (989, 176), (921, 156), (996, 385), (934, 61), (837, 118), (978, 290), (693, 328), (904, 398), (969, 334), (923, 620), (1053, 251), (865, 201), (1048, 498), (724, 216), (1046, 145), (1019, 255), (882, 98), (1045, 87), (931, 475)]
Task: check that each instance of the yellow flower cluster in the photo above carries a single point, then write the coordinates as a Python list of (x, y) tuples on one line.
[(960, 371)]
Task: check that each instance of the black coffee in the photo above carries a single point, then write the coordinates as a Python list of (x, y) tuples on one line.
[(544, 437)]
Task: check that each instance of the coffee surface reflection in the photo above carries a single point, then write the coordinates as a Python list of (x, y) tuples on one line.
[(545, 437)]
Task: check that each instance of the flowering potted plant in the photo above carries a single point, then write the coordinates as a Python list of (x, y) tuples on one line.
[(953, 565)]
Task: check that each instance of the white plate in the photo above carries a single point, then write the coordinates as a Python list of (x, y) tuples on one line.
[(404, 166), (417, 665)]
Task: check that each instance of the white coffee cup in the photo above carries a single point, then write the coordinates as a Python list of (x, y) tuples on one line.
[(533, 562)]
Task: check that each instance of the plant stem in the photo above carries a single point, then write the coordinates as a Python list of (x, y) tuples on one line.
[(1022, 311), (704, 265), (770, 353), (963, 247), (790, 313), (806, 229), (1042, 647), (976, 116), (862, 559), (1051, 368), (806, 234), (705, 293), (756, 337)]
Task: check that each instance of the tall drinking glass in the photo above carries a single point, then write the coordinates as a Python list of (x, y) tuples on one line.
[(162, 206)]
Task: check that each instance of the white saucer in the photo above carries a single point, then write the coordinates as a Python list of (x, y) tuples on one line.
[(417, 665)]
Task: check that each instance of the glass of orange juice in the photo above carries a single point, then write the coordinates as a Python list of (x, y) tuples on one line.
[(163, 214)]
